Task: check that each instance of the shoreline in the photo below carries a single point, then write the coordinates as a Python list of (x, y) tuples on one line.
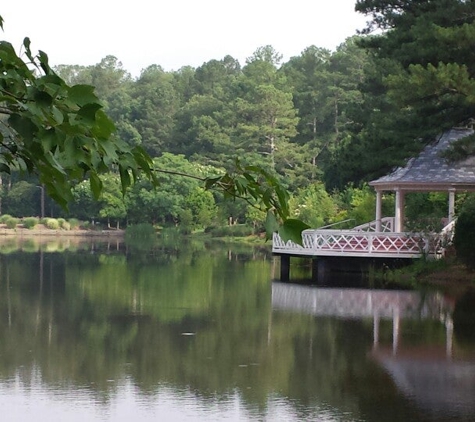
[(27, 233)]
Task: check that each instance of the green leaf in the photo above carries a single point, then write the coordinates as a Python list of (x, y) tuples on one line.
[(43, 59), (96, 185), (124, 179), (104, 127), (109, 149), (57, 115), (23, 126), (210, 182), (292, 230), (42, 98), (271, 225), (88, 112), (26, 44), (82, 94)]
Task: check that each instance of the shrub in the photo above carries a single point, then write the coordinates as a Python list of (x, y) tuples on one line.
[(30, 222), (210, 228), (66, 226), (73, 223), (239, 230), (52, 224), (142, 230), (4, 218), (61, 221), (12, 222), (465, 233)]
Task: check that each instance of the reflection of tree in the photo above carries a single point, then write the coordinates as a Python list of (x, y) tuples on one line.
[(113, 317)]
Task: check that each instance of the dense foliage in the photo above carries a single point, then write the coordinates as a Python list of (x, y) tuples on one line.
[(321, 124), (465, 233), (59, 133)]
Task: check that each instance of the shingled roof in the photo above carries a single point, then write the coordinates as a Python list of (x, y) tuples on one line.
[(430, 171)]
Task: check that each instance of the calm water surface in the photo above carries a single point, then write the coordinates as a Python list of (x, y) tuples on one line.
[(194, 331)]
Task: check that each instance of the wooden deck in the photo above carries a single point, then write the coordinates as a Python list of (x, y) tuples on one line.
[(361, 241)]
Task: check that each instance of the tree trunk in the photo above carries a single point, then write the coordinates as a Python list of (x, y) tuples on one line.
[(337, 133)]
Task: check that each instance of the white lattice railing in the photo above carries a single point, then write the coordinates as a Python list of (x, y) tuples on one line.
[(445, 237), (387, 226), (356, 243)]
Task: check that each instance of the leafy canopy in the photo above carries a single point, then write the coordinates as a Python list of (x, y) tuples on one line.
[(62, 134), (57, 131)]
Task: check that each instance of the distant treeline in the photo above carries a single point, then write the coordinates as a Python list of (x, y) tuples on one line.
[(325, 121)]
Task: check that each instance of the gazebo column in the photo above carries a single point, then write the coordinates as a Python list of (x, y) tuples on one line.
[(451, 205), (399, 211), (379, 200)]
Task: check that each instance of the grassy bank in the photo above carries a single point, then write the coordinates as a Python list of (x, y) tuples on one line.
[(446, 274)]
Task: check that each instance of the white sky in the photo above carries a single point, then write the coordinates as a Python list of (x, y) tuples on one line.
[(175, 33)]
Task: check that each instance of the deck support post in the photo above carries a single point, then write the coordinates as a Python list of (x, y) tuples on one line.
[(322, 267), (451, 205), (379, 197), (284, 267), (315, 266), (319, 270)]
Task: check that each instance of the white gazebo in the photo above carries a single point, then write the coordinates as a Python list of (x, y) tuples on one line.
[(386, 237), (429, 172)]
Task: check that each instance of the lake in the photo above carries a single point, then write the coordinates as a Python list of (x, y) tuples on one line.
[(193, 331)]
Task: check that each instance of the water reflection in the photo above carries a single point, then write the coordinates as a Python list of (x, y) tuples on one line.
[(439, 378), (198, 332)]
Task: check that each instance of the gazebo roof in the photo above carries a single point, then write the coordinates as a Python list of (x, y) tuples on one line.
[(430, 171)]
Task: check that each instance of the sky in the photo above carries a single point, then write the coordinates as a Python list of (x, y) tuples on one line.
[(175, 33)]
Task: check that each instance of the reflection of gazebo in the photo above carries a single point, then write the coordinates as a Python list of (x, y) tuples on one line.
[(436, 375), (429, 172), (386, 237), (432, 379)]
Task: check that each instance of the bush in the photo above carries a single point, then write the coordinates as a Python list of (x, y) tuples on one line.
[(142, 230), (61, 221), (30, 222), (239, 230), (66, 226), (52, 224), (4, 218), (210, 228), (465, 233), (73, 223), (12, 222)]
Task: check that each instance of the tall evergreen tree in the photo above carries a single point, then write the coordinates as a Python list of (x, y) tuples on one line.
[(432, 43), (153, 107), (420, 83), (266, 116)]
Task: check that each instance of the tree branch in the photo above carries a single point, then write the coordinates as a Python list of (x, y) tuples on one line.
[(177, 173)]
